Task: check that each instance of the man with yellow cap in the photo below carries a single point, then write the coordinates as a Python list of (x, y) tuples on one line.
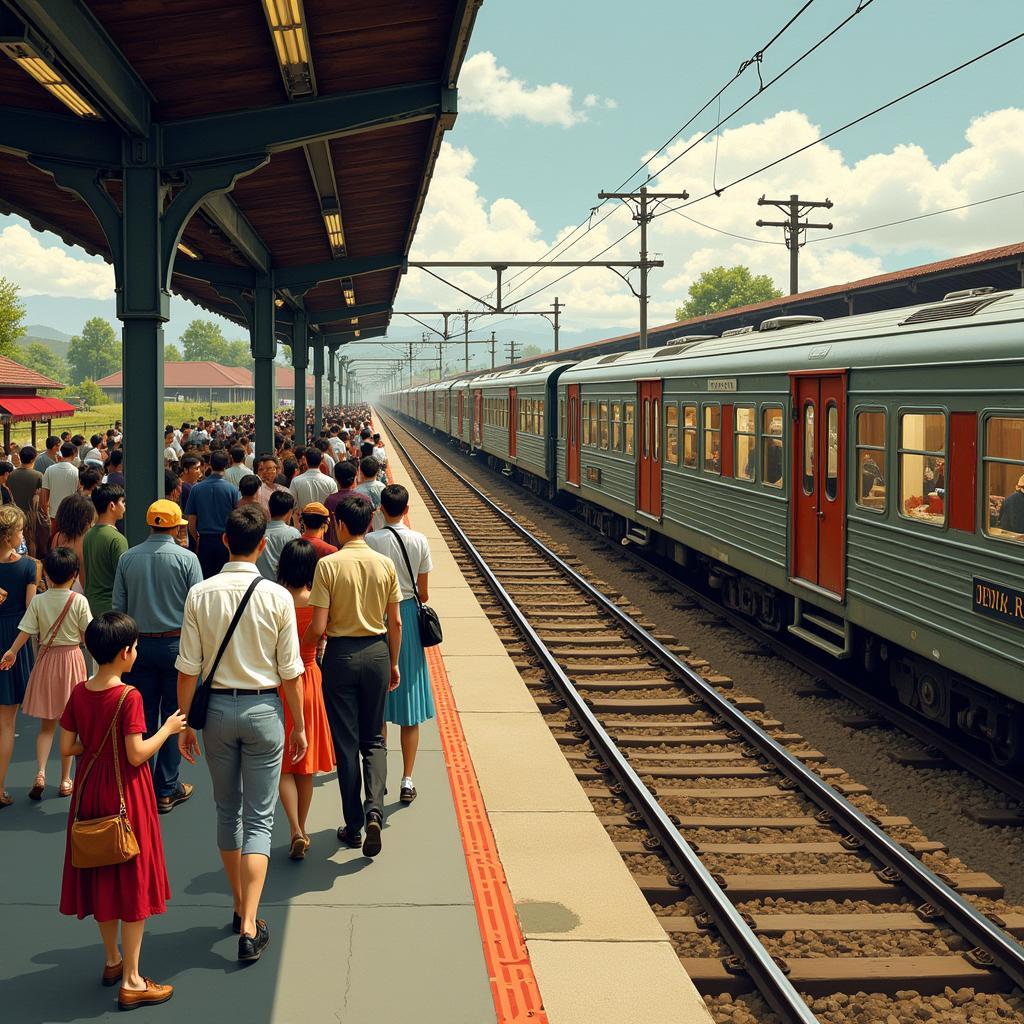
[(151, 584), (1011, 515), (315, 519)]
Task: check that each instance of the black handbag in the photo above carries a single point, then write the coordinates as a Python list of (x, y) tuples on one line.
[(201, 701), (430, 625)]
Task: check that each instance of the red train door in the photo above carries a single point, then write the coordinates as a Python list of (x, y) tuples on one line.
[(819, 480), (572, 436), (513, 416), (478, 416), (458, 427), (648, 403)]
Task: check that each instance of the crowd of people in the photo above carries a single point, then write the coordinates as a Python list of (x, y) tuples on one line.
[(272, 610)]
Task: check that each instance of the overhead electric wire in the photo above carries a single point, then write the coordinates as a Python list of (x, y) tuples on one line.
[(804, 148), (862, 6), (744, 65)]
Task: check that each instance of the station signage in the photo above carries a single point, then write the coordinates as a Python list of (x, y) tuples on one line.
[(721, 384), (998, 601)]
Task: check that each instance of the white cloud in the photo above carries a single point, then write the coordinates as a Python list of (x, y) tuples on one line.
[(486, 87), (40, 269), (459, 222)]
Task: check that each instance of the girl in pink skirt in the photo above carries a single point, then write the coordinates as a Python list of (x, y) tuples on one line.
[(57, 618)]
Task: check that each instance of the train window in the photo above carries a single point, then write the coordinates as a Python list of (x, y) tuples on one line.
[(586, 423), (647, 428), (602, 424), (628, 420), (1004, 477), (540, 417), (690, 436), (745, 433), (522, 410), (712, 461), (593, 424), (616, 426), (832, 451), (809, 439), (922, 455), (871, 460), (672, 434)]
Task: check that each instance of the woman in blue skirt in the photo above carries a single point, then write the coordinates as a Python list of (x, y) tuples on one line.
[(413, 701)]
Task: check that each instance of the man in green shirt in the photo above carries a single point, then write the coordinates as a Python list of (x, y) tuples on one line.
[(102, 546)]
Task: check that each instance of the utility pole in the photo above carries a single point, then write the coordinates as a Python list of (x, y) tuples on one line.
[(410, 364), (558, 306), (493, 344), (794, 230), (465, 336), (512, 352), (643, 213)]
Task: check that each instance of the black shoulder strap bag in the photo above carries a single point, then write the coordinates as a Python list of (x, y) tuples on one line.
[(426, 617), (201, 701)]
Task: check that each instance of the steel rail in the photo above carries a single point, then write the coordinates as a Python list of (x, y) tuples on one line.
[(1005, 953), (766, 972)]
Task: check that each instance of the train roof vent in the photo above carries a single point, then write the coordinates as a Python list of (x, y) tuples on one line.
[(610, 359), (951, 310), (685, 338), (679, 347), (780, 323), (968, 293), (737, 330)]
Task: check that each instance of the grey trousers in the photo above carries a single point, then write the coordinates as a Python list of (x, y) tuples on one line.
[(356, 671), (244, 741)]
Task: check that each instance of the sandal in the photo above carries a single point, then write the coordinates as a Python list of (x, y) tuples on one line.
[(6, 799), (300, 844), (36, 792), (66, 787)]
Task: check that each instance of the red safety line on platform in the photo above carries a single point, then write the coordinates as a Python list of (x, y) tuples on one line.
[(514, 986)]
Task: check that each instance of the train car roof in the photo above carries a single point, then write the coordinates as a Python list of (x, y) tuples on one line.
[(524, 375), (934, 332)]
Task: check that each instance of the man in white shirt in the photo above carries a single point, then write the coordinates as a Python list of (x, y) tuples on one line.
[(244, 733), (237, 469), (312, 485), (394, 503), (60, 480)]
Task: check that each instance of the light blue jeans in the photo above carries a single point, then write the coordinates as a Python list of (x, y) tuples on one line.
[(244, 742)]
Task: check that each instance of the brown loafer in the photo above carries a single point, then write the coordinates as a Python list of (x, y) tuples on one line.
[(112, 975), (129, 999)]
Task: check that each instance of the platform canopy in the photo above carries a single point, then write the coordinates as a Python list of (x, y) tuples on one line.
[(267, 160)]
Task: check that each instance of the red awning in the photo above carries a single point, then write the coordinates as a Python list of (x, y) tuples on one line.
[(14, 409)]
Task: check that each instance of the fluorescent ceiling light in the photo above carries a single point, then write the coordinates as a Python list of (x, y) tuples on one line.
[(335, 234), (25, 56), (288, 29), (348, 290), (188, 251)]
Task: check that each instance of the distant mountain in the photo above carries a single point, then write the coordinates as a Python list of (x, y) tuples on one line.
[(56, 341)]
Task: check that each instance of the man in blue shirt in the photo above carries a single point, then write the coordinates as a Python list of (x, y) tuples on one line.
[(207, 509), (151, 583)]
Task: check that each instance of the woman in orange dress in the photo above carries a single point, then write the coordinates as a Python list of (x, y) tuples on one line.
[(295, 572)]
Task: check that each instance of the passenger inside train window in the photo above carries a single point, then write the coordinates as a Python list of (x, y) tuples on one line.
[(712, 462), (771, 445), (690, 436), (745, 433), (602, 425), (871, 460), (616, 426), (672, 434), (922, 454), (628, 422), (1004, 477)]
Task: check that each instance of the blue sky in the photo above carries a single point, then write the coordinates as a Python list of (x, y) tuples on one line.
[(560, 100)]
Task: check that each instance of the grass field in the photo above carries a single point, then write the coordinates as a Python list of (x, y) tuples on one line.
[(100, 417)]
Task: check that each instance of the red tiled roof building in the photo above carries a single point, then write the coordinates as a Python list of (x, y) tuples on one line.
[(207, 381)]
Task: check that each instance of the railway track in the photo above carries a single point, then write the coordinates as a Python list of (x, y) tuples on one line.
[(771, 869)]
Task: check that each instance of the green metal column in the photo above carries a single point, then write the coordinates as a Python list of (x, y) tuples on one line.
[(264, 348), (300, 363), (330, 377), (143, 307), (318, 384)]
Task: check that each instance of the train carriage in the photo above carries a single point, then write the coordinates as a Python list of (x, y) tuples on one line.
[(462, 411)]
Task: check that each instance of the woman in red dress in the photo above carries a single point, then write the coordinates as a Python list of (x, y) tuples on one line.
[(127, 893), (295, 572)]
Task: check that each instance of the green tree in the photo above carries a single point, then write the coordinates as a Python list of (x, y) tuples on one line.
[(726, 288), (95, 352), (237, 353), (12, 315), (530, 351), (43, 360), (172, 354), (204, 340), (87, 390)]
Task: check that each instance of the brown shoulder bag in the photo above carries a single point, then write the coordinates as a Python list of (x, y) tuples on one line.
[(99, 842)]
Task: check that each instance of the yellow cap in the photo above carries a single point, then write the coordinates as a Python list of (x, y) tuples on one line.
[(165, 514), (315, 508)]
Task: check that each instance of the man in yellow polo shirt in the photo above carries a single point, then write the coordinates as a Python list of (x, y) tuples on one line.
[(355, 600)]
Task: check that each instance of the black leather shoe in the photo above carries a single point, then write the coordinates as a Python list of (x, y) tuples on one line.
[(408, 794), (372, 843), (351, 837), (252, 948)]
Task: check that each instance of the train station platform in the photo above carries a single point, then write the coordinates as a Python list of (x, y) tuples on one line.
[(498, 895)]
